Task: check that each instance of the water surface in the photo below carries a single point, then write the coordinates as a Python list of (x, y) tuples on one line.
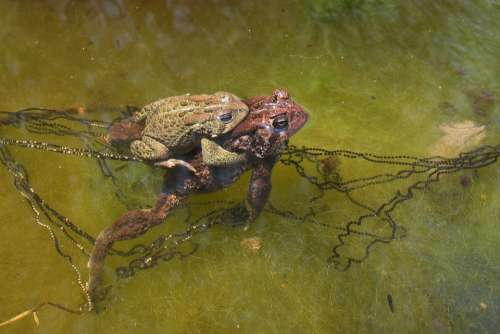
[(375, 76)]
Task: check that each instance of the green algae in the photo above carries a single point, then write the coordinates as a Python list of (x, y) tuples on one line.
[(373, 78)]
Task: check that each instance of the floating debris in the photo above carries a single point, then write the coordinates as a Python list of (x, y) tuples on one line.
[(329, 165), (457, 138), (390, 303), (81, 111), (465, 181), (251, 245), (18, 317), (35, 318)]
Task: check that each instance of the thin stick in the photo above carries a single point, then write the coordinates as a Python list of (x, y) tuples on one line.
[(24, 315), (35, 316)]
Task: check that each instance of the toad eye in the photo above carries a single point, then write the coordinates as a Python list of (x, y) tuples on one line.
[(280, 123), (226, 118)]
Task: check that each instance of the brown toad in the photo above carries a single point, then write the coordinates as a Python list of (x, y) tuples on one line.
[(176, 125)]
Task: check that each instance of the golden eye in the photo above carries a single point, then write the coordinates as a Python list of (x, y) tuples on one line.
[(226, 118)]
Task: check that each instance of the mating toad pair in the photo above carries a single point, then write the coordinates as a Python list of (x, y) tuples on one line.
[(256, 134)]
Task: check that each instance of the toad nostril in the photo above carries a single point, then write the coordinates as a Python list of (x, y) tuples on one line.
[(280, 94)]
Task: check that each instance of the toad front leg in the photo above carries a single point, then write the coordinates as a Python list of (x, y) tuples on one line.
[(259, 189), (149, 148), (129, 226), (214, 155)]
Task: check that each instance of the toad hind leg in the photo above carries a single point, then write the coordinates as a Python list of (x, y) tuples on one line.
[(149, 149), (129, 226), (214, 155)]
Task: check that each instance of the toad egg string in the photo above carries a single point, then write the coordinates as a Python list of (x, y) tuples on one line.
[(66, 149)]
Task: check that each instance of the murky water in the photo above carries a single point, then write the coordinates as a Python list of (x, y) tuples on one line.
[(375, 76)]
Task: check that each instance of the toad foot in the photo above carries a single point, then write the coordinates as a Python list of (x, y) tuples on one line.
[(174, 162)]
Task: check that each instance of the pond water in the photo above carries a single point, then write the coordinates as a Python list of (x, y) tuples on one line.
[(386, 77)]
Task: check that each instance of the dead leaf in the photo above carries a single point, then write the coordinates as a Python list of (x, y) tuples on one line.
[(458, 137)]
